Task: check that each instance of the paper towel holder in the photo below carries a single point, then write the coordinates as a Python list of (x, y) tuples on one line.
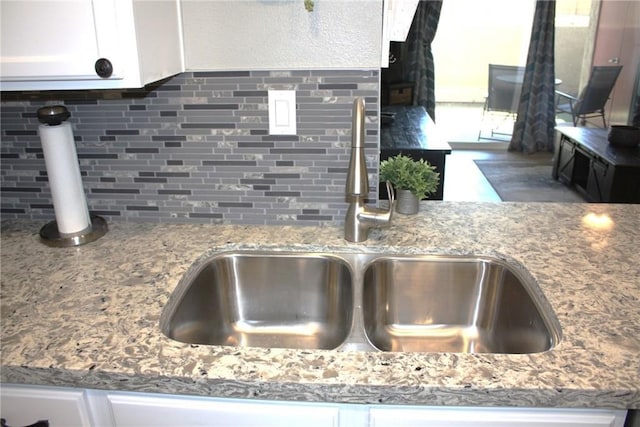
[(54, 115), (51, 236)]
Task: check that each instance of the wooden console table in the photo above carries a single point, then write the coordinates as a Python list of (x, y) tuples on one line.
[(599, 171), (414, 134)]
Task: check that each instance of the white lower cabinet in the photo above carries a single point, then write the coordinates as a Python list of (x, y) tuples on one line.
[(406, 416), (26, 405), (61, 407), (138, 410)]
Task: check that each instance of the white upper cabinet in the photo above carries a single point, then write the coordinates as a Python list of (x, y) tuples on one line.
[(88, 44)]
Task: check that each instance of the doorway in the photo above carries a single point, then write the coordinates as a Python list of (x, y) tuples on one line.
[(498, 32), (616, 43), (470, 36)]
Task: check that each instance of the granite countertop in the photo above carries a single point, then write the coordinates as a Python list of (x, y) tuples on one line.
[(88, 316)]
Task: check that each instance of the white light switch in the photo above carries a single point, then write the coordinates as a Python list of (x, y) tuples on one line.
[(282, 112)]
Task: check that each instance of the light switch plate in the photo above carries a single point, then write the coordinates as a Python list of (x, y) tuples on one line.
[(282, 112)]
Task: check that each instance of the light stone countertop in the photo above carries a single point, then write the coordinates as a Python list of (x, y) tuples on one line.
[(88, 316)]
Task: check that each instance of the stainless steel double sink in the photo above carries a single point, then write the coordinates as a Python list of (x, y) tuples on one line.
[(361, 301)]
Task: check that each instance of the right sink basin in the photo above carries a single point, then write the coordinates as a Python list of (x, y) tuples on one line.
[(454, 304)]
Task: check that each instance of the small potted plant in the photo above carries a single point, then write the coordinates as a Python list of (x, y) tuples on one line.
[(413, 180)]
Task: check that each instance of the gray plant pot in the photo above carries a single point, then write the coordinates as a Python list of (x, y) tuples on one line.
[(406, 202)]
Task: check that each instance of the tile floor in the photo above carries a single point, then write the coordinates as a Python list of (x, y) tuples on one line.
[(469, 134), (463, 180), (465, 122)]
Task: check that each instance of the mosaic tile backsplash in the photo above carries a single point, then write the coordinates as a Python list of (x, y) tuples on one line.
[(196, 148)]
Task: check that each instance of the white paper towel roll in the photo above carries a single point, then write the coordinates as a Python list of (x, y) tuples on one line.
[(69, 201)]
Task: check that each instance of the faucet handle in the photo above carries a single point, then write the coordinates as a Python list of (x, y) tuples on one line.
[(392, 196)]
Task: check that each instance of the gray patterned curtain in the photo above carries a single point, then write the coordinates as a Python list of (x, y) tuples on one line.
[(419, 63), (534, 127)]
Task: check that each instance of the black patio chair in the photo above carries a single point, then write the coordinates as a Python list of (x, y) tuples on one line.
[(592, 99), (505, 86)]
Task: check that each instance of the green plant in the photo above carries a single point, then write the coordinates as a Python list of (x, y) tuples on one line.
[(308, 4), (417, 176)]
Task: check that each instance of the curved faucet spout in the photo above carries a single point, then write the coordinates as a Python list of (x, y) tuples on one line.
[(360, 218), (378, 216)]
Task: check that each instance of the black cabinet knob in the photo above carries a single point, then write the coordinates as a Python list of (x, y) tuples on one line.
[(42, 423), (104, 67)]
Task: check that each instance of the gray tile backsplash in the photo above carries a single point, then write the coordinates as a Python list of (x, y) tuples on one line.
[(196, 148)]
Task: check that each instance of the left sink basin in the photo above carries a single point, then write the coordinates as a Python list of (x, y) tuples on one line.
[(281, 300)]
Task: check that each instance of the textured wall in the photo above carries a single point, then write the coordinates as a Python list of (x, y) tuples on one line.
[(196, 148), (277, 34)]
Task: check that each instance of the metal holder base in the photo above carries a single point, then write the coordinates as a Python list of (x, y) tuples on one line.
[(50, 236)]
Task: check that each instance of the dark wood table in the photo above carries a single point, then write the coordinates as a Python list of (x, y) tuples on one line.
[(599, 171), (413, 133)]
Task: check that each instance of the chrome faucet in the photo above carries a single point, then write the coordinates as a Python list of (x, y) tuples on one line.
[(360, 217)]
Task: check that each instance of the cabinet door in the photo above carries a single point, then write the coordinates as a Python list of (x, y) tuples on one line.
[(52, 40), (138, 410), (598, 183), (493, 417), (55, 44), (24, 405), (564, 162), (625, 185)]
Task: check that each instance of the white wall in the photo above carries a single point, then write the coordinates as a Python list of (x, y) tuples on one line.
[(281, 34)]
